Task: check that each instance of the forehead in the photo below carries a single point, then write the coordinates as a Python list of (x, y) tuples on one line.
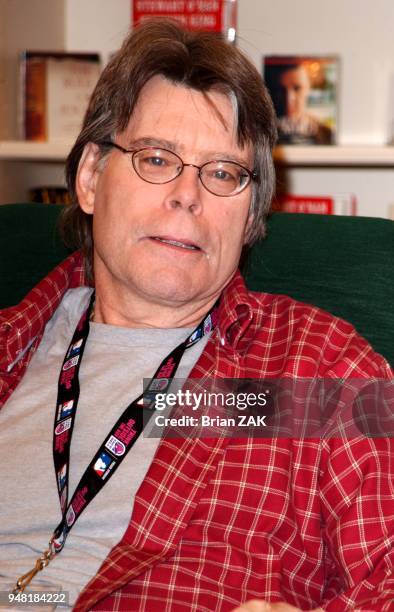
[(192, 121)]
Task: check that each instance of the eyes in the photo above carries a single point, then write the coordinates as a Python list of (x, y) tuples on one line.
[(168, 162), (154, 161), (158, 166), (233, 175)]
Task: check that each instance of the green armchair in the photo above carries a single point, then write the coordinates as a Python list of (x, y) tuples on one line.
[(342, 264)]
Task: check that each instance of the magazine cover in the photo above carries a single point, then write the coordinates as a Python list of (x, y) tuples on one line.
[(304, 93)]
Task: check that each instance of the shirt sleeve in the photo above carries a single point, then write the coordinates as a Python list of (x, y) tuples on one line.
[(357, 497)]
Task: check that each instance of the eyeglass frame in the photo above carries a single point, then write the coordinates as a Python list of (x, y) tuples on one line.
[(253, 176)]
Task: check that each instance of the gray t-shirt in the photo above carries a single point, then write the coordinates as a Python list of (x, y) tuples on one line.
[(115, 362)]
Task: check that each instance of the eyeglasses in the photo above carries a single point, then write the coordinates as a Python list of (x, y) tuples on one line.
[(156, 165)]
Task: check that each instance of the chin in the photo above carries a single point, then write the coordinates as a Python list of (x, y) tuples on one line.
[(169, 287)]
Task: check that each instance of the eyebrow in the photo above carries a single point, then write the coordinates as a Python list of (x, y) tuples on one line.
[(148, 141)]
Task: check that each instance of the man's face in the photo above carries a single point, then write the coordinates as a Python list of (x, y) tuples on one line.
[(295, 89), (136, 224)]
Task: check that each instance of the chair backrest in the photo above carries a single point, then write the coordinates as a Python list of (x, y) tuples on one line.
[(342, 264), (30, 247)]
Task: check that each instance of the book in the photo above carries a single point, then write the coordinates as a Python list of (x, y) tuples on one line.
[(208, 15), (4, 119), (304, 90), (49, 195), (55, 90), (336, 204)]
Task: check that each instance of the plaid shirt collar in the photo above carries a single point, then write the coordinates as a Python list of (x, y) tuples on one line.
[(236, 313), (20, 325)]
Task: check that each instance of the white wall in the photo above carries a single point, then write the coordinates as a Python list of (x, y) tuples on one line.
[(27, 24), (359, 31), (96, 25), (24, 24)]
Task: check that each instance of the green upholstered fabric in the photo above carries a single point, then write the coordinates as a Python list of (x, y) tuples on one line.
[(342, 264), (29, 248)]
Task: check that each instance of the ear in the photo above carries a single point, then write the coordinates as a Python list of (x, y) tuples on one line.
[(87, 177)]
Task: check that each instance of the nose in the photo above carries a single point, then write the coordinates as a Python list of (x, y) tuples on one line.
[(185, 190)]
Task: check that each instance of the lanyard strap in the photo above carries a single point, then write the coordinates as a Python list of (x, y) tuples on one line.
[(122, 435), (117, 442)]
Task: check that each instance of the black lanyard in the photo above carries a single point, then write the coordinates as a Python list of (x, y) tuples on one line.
[(117, 442)]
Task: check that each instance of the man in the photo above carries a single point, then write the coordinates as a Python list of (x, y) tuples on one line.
[(171, 176)]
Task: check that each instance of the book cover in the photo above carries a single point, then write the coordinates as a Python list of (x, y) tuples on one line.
[(304, 90), (335, 204), (5, 106), (55, 90), (208, 15)]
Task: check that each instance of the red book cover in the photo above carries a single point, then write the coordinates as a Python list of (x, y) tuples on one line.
[(208, 15), (338, 204)]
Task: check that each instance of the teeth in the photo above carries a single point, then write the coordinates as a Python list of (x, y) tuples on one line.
[(178, 244)]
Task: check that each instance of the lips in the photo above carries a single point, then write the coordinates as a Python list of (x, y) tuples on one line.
[(179, 243)]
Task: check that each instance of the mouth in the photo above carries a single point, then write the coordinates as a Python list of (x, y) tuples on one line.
[(178, 244)]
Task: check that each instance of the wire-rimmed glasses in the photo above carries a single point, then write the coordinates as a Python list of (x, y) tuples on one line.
[(158, 166)]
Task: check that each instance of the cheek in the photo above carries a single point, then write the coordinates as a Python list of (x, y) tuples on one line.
[(232, 222), (116, 200), (110, 219), (116, 183), (231, 233)]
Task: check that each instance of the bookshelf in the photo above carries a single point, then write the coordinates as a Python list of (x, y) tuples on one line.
[(18, 150), (361, 164), (359, 156)]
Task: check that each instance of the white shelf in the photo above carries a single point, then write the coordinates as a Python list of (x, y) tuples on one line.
[(316, 155), (34, 151), (287, 155)]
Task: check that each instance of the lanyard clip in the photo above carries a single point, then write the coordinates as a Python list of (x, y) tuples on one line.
[(26, 579)]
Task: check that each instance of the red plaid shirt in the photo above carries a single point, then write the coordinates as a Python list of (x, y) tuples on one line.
[(219, 521)]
